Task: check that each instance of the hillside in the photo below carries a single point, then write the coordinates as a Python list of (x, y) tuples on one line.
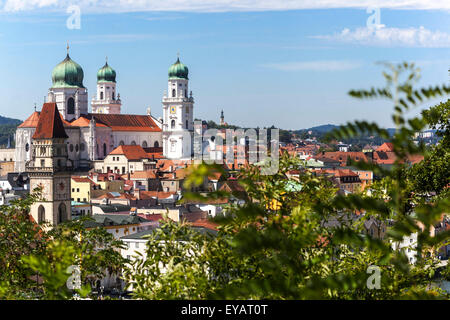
[(7, 130)]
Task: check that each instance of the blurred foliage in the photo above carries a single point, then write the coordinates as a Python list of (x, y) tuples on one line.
[(34, 260), (283, 244)]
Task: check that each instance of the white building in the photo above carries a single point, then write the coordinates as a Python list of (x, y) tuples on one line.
[(92, 136), (178, 114)]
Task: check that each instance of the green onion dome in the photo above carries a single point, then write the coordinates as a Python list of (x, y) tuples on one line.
[(106, 73), (67, 73), (178, 71)]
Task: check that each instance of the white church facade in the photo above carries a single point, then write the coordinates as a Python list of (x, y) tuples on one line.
[(93, 135)]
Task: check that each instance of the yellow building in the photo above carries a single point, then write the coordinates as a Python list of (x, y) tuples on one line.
[(85, 188)]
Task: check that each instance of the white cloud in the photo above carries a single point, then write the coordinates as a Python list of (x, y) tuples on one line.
[(392, 37), (101, 6), (321, 65)]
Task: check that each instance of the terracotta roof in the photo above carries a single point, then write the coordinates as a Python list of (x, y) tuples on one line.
[(387, 146), (205, 223), (31, 121), (126, 122), (134, 152), (342, 156), (84, 122), (155, 194), (149, 174), (50, 124), (232, 186), (83, 180), (116, 195)]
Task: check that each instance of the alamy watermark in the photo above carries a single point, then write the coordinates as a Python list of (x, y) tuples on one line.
[(374, 21), (374, 280), (74, 281), (74, 20)]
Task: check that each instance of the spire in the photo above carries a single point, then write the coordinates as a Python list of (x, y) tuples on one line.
[(50, 124)]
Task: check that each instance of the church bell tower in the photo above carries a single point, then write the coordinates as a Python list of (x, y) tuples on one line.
[(178, 114), (48, 168)]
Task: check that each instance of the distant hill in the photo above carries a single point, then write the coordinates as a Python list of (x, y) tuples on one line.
[(323, 128), (7, 130), (9, 121)]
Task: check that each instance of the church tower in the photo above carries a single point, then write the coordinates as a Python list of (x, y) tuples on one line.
[(48, 168), (178, 114), (106, 100), (222, 119), (68, 91)]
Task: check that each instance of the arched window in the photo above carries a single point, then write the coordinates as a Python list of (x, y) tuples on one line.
[(114, 97), (62, 213), (70, 106), (187, 124), (144, 144), (121, 143), (104, 149), (101, 95), (27, 147), (156, 144), (41, 214), (172, 124), (98, 153), (173, 93), (133, 143)]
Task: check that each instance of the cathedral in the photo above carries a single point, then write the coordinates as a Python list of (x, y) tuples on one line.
[(93, 135)]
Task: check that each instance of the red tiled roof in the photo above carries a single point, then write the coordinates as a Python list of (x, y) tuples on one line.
[(155, 194), (50, 124), (126, 122), (387, 146), (84, 122), (31, 121), (149, 174), (83, 180), (134, 152), (342, 156)]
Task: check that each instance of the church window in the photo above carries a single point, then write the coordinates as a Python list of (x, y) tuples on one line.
[(101, 95), (121, 143), (144, 144), (113, 96), (41, 214), (27, 147), (172, 124), (76, 148), (70, 106), (156, 144), (42, 163), (61, 213), (173, 92), (187, 124), (104, 149), (133, 143), (71, 147)]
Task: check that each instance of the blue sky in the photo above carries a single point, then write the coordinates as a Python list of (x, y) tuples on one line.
[(288, 66)]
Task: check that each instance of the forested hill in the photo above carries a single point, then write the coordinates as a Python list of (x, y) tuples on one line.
[(7, 129)]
